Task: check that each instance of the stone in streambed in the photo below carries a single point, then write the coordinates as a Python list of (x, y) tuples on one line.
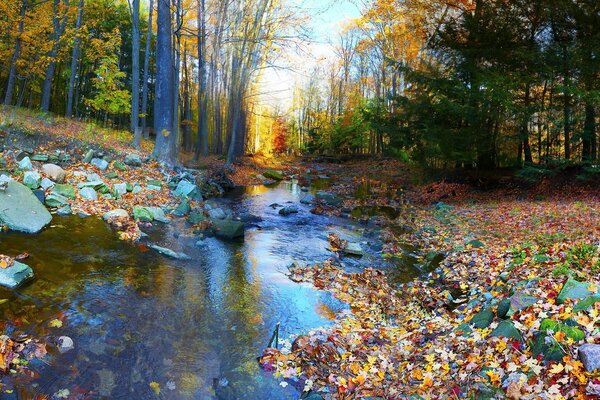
[(182, 209), (217, 213), (116, 213), (142, 214), (133, 159), (46, 183), (88, 156), (158, 214), (32, 179), (65, 210), (64, 190), (20, 210), (287, 210), (170, 253), (119, 189), (308, 199), (54, 172), (272, 174), (56, 200), (88, 193), (228, 229), (15, 275), (100, 163), (353, 249)]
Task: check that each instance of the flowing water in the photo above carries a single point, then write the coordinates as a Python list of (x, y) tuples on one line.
[(195, 327)]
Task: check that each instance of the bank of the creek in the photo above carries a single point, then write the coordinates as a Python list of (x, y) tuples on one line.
[(194, 327)]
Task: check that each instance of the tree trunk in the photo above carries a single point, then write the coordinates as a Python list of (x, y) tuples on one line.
[(74, 59), (202, 145), (12, 75), (163, 99), (589, 133), (176, 69), (146, 67), (135, 73), (59, 27)]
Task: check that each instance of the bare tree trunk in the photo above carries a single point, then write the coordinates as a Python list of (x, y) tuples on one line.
[(202, 145), (163, 103), (74, 59), (146, 67), (59, 27), (12, 75), (135, 73)]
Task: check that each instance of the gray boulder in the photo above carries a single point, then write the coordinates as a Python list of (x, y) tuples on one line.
[(116, 213), (185, 189), (308, 199), (25, 164), (54, 172), (32, 179), (88, 156), (169, 252), (589, 354), (100, 163), (56, 200), (133, 159), (88, 193), (287, 210), (15, 275), (120, 189), (20, 210)]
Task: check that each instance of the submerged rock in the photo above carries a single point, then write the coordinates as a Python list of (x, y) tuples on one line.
[(20, 209), (15, 275), (170, 253), (54, 172), (217, 213), (227, 228), (287, 210)]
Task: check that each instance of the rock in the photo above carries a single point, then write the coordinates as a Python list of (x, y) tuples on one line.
[(65, 210), (476, 244), (136, 188), (308, 199), (56, 200), (116, 213), (217, 213), (65, 344), (119, 189), (520, 301), (589, 354), (25, 164), (40, 194), (272, 174), (503, 308), (118, 165), (158, 214), (182, 209), (129, 187), (15, 275), (142, 214), (88, 193), (54, 172), (261, 178), (507, 329), (100, 163), (154, 182), (20, 210), (185, 189), (88, 156), (586, 303), (329, 198), (64, 190), (170, 253), (40, 157), (133, 159), (354, 249), (287, 210), (91, 177), (96, 185), (227, 228), (111, 175), (46, 183), (196, 218), (32, 179), (573, 289), (482, 319)]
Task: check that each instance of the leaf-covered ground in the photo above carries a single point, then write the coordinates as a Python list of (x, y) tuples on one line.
[(487, 322)]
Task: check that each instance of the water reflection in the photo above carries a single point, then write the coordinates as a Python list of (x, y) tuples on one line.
[(195, 327)]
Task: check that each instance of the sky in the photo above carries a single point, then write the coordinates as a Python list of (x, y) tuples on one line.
[(327, 19)]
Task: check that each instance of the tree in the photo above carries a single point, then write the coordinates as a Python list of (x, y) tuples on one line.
[(135, 72)]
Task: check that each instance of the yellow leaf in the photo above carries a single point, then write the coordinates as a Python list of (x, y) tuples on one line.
[(557, 368), (156, 387), (55, 323)]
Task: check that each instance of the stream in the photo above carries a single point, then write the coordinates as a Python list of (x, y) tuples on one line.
[(195, 327)]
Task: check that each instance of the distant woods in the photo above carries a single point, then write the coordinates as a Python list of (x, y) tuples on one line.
[(180, 70), (458, 83)]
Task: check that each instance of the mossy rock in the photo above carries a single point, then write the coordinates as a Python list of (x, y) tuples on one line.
[(482, 319), (272, 174), (573, 289), (508, 330), (142, 214), (67, 191)]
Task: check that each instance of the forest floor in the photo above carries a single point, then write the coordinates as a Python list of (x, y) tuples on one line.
[(503, 315)]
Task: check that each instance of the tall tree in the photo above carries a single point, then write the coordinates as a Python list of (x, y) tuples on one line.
[(74, 60), (164, 147), (59, 20), (147, 66), (135, 72), (12, 75)]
